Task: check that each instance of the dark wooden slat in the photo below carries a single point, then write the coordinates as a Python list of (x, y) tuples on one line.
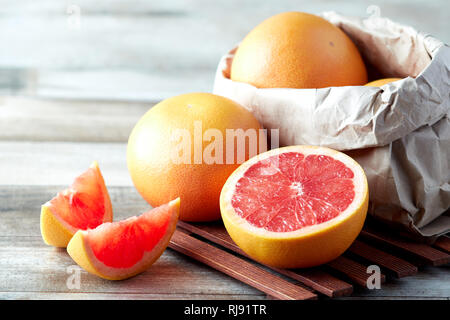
[(399, 267), (443, 243), (422, 251), (320, 281), (238, 268), (314, 278), (355, 271)]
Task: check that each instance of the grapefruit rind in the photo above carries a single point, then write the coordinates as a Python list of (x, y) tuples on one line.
[(305, 247), (53, 232), (80, 251), (57, 232)]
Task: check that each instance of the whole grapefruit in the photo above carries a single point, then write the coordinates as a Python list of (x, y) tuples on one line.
[(179, 148), (298, 50)]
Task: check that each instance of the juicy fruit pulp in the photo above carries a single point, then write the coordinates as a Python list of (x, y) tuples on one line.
[(85, 204), (295, 207), (121, 249), (290, 191)]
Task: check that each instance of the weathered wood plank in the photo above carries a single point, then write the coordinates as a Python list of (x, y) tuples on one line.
[(238, 268), (123, 296), (150, 49), (429, 283), (28, 265), (443, 243), (24, 119), (315, 279), (417, 250), (354, 271), (58, 163), (399, 267), (31, 270)]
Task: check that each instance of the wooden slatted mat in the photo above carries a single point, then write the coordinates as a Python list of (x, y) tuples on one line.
[(209, 243), (399, 267), (420, 251), (443, 243), (238, 268)]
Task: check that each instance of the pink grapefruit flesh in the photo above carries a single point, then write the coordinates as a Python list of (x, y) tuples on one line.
[(119, 250), (297, 206), (303, 191), (84, 205)]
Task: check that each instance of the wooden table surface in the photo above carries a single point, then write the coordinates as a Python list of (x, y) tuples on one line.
[(69, 96)]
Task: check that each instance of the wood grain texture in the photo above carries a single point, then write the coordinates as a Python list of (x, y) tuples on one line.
[(399, 267), (149, 50), (25, 119), (58, 163), (315, 279), (29, 269), (82, 91), (443, 243), (237, 268), (417, 250), (353, 270)]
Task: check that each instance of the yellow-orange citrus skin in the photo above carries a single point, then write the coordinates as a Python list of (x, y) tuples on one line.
[(151, 147), (298, 50), (381, 82), (307, 247)]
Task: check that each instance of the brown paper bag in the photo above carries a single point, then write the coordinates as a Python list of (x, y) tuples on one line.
[(399, 133)]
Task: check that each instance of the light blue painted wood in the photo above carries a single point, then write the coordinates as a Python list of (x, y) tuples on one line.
[(149, 50)]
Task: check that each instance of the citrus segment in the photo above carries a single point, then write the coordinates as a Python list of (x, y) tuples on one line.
[(85, 204), (119, 250), (297, 206)]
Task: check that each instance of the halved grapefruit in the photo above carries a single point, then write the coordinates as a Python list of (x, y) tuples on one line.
[(122, 249), (297, 206), (85, 204)]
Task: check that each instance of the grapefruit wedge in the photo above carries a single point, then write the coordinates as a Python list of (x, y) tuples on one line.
[(85, 204), (122, 249), (294, 207)]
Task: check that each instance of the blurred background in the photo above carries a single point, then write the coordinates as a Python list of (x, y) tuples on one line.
[(147, 50), (75, 76)]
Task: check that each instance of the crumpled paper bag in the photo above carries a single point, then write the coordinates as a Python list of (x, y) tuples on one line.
[(399, 133)]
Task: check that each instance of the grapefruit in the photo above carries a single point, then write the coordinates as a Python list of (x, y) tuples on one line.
[(381, 82), (297, 206), (298, 50), (85, 204), (182, 142), (122, 249)]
